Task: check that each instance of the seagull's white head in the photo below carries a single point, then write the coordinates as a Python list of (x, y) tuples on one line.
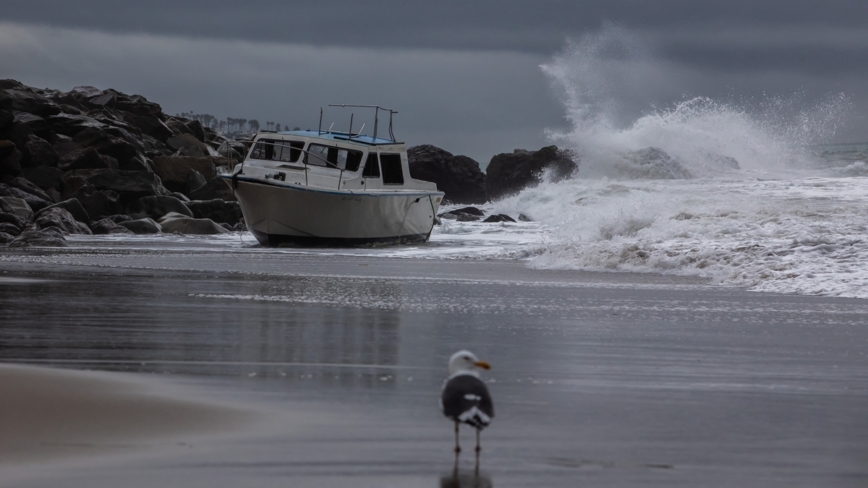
[(466, 361)]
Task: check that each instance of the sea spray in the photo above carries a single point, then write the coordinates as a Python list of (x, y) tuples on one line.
[(754, 205)]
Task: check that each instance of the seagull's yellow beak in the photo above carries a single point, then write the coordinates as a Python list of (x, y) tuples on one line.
[(482, 364)]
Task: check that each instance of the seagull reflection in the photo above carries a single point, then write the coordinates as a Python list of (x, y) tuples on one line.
[(466, 479)]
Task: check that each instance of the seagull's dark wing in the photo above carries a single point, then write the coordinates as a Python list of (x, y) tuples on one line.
[(465, 398)]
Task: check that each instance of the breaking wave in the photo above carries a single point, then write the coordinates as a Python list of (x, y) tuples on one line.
[(738, 192)]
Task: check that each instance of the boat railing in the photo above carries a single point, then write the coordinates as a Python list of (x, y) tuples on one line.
[(304, 160)]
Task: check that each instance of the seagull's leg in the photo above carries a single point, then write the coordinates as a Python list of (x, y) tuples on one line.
[(457, 447), (477, 442)]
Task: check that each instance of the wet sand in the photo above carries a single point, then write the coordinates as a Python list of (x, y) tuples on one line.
[(598, 379), (51, 415)]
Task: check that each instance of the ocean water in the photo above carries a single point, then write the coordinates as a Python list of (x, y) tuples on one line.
[(744, 192)]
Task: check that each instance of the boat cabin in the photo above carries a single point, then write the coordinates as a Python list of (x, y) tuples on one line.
[(331, 161)]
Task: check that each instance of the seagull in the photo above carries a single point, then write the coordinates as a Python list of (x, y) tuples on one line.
[(465, 398)]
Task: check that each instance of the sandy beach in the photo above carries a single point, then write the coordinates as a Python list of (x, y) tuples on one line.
[(598, 378), (52, 415)]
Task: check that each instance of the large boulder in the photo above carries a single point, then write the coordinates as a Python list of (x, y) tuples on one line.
[(459, 177), (123, 151), (34, 123), (74, 207), (99, 203), (158, 206), (108, 226), (17, 207), (61, 219), (130, 185), (6, 119), (25, 185), (34, 202), (88, 158), (71, 124), (215, 188), (142, 226), (150, 125), (5, 237), (49, 237), (175, 170), (44, 177), (10, 228), (38, 152), (26, 99), (182, 224), (188, 145), (220, 211), (509, 173), (10, 158)]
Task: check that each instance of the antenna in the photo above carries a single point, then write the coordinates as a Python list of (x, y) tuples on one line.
[(319, 129), (377, 109), (330, 128)]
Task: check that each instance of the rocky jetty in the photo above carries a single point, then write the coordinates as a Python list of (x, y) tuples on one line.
[(459, 177), (509, 173), (100, 161)]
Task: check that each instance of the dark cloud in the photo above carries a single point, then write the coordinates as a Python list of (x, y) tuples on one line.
[(522, 25), (464, 73)]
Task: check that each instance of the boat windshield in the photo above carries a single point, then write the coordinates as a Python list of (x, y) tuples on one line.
[(271, 150), (334, 157)]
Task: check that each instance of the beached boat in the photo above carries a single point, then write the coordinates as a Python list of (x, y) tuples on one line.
[(343, 188)]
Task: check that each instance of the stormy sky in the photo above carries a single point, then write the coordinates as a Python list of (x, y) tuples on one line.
[(473, 77)]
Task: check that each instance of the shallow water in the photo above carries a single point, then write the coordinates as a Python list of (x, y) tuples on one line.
[(603, 379)]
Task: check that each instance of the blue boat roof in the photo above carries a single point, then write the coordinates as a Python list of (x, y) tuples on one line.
[(341, 136)]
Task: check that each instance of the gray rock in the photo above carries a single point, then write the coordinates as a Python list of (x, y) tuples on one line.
[(50, 237), (188, 145), (108, 226), (499, 218), (9, 228), (87, 158), (61, 219), (509, 173), (6, 238), (174, 170), (44, 177), (38, 152), (182, 224), (69, 124), (36, 203), (74, 207), (129, 185), (215, 188), (98, 203), (24, 185), (8, 218), (158, 206), (459, 177), (220, 211), (524, 218), (10, 159), (17, 207), (142, 226), (195, 180), (33, 122)]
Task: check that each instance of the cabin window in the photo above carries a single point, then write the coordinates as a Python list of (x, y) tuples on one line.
[(289, 151), (334, 157), (393, 173), (372, 166)]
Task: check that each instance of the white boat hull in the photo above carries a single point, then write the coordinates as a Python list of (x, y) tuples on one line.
[(277, 213)]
